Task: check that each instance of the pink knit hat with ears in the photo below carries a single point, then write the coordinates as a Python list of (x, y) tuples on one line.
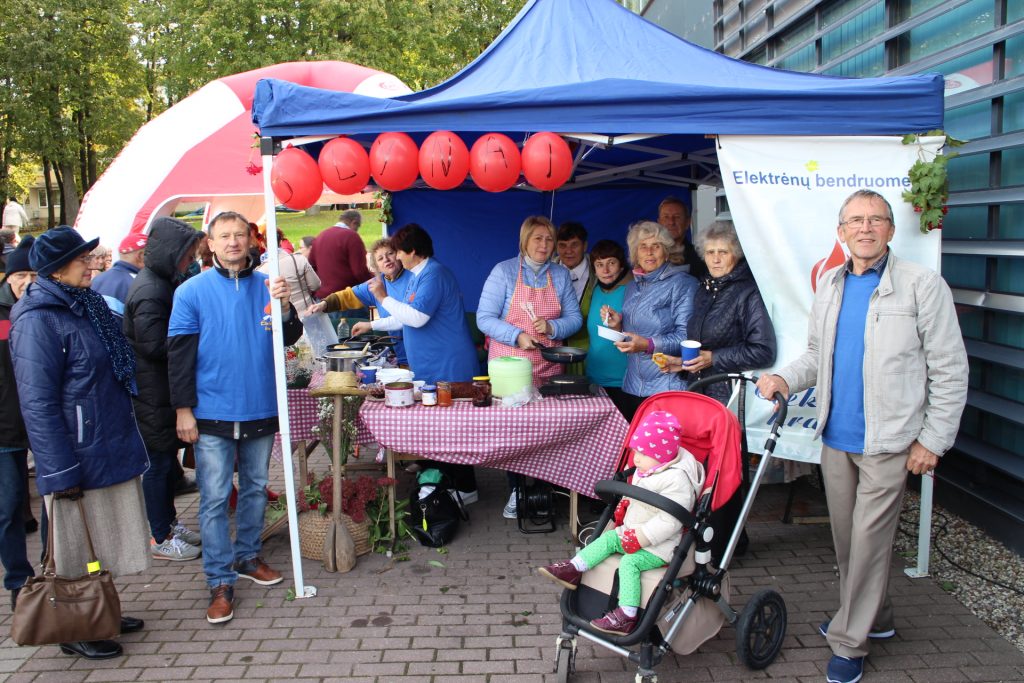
[(657, 436)]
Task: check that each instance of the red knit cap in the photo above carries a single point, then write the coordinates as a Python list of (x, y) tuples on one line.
[(132, 242), (657, 436)]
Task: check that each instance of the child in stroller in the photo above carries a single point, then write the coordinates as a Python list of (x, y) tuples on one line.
[(644, 534)]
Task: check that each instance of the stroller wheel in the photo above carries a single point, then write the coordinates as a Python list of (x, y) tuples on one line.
[(760, 629), (565, 665)]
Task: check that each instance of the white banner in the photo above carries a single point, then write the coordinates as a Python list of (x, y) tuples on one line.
[(784, 195)]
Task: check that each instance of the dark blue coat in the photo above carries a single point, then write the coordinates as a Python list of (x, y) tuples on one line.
[(730, 319), (79, 417)]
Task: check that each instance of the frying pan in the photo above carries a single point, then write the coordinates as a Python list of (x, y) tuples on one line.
[(562, 354)]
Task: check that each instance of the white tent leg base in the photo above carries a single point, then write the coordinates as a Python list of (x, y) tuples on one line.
[(307, 592)]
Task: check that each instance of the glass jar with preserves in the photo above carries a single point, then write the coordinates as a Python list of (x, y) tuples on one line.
[(444, 394), (428, 395), (482, 391)]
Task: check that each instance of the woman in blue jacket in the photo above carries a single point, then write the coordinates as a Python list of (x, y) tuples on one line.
[(654, 313), (528, 301), (76, 376)]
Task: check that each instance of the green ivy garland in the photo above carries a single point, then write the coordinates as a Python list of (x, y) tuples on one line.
[(384, 203), (929, 183)]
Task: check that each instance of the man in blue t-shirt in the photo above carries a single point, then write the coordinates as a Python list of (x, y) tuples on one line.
[(885, 351), (221, 366)]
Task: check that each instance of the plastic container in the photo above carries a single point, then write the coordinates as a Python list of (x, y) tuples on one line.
[(482, 391), (509, 375)]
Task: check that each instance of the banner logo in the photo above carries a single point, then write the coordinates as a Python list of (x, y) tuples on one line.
[(836, 258)]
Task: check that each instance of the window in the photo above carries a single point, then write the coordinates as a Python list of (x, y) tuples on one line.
[(1013, 111), (1011, 222), (804, 59), (834, 13), (972, 121), (794, 35), (946, 30), (1004, 434), (1014, 11), (857, 31), (961, 270), (972, 322), (1006, 329), (967, 72), (1008, 275), (1013, 62), (864, 65), (965, 222), (1013, 166), (42, 198), (911, 8), (969, 172)]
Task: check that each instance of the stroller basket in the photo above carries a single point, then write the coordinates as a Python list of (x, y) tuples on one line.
[(695, 581)]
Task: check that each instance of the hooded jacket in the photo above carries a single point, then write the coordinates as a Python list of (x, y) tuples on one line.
[(79, 417), (147, 310), (730, 320), (680, 481), (657, 306), (12, 427)]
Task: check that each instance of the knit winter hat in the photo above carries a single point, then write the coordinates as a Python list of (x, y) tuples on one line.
[(17, 260), (657, 436)]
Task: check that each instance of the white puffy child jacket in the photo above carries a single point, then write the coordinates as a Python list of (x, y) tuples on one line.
[(657, 530)]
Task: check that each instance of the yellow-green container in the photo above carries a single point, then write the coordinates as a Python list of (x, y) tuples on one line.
[(509, 375)]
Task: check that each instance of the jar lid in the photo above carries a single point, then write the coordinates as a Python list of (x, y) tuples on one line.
[(428, 387), (482, 378)]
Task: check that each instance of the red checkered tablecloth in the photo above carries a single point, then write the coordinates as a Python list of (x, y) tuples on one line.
[(572, 442)]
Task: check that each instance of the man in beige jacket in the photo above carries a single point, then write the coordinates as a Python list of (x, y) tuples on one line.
[(886, 353)]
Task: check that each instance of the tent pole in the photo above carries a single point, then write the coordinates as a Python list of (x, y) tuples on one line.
[(924, 529), (301, 590)]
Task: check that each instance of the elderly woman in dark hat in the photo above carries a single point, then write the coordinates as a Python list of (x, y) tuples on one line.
[(13, 438), (76, 376)]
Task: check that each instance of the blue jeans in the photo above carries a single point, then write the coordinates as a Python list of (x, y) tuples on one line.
[(158, 484), (215, 464), (13, 552)]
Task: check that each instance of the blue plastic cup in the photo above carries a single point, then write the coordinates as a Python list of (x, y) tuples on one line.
[(689, 349), (368, 373)]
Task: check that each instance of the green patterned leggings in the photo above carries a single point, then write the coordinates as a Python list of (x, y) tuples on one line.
[(629, 567)]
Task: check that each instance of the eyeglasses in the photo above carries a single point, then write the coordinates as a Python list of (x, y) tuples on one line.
[(858, 221)]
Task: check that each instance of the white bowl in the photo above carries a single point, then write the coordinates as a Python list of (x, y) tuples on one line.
[(388, 375), (609, 333)]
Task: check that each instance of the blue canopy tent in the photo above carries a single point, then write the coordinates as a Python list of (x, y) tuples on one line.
[(638, 103)]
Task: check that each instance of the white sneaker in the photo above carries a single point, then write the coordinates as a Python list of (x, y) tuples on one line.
[(174, 549), (187, 535), (469, 497), (510, 507)]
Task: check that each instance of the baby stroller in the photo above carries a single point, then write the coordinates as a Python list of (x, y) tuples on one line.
[(684, 603)]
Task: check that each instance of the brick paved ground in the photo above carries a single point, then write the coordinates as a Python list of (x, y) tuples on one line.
[(486, 616)]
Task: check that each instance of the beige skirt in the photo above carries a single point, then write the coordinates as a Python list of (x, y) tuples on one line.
[(117, 525)]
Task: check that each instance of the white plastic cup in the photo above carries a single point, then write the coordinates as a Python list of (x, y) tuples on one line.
[(689, 349)]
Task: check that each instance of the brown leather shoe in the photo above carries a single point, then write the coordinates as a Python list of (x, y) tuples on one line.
[(562, 573), (259, 571), (221, 609)]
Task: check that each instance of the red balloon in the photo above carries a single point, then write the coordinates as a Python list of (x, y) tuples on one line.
[(296, 179), (344, 165), (494, 162), (394, 161), (444, 160), (547, 161)]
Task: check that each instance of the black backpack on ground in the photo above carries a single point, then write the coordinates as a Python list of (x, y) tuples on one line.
[(434, 519)]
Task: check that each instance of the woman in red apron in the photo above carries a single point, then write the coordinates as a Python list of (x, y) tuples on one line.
[(528, 302)]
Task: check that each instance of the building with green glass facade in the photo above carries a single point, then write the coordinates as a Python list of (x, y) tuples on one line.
[(978, 45)]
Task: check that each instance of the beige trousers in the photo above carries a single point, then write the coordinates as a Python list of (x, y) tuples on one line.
[(865, 495)]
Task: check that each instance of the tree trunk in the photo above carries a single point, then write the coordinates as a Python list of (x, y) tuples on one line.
[(58, 173), (91, 158), (83, 148), (49, 193), (69, 194)]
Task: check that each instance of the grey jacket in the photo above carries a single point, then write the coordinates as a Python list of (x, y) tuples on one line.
[(915, 364)]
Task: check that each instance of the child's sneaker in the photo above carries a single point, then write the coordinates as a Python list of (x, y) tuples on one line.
[(185, 534), (174, 549), (563, 573), (615, 622)]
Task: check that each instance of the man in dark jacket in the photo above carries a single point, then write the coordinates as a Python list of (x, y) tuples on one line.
[(170, 249), (113, 284), (13, 438), (221, 360)]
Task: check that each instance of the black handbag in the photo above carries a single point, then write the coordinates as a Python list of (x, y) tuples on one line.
[(56, 609), (434, 519)]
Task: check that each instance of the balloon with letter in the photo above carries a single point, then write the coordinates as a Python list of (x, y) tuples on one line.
[(394, 161), (344, 165), (444, 160), (494, 162), (547, 161), (296, 179)]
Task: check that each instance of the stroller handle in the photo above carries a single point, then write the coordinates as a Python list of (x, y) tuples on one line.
[(780, 400), (609, 490)]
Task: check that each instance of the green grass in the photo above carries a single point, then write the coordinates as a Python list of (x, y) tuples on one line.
[(297, 225)]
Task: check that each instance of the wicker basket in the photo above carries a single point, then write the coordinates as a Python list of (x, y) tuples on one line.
[(313, 529)]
